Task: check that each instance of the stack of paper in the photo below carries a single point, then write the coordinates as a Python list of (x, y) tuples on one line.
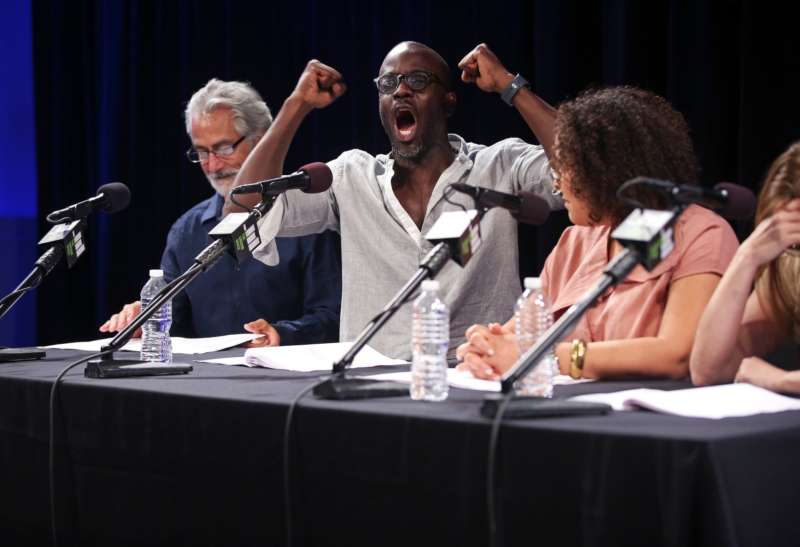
[(307, 358), (713, 402)]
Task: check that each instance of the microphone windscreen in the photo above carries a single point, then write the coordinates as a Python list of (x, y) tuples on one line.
[(532, 210), (116, 197), (319, 177), (741, 203)]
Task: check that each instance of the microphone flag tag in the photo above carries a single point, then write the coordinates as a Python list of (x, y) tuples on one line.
[(649, 233), (461, 230), (241, 230), (68, 235)]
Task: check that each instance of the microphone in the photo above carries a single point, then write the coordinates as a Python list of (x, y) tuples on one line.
[(65, 239), (311, 178), (526, 207), (110, 198), (461, 230), (238, 232), (729, 200)]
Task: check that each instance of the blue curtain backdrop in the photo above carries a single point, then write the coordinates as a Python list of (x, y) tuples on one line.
[(112, 79), (18, 226)]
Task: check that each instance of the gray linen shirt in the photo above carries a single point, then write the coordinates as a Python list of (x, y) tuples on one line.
[(382, 246)]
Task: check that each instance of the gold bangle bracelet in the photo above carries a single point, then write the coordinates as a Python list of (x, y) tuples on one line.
[(576, 356)]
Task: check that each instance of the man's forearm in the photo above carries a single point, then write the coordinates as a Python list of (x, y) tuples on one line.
[(266, 159), (539, 116)]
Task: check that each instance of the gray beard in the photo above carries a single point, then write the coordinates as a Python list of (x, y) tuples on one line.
[(223, 187)]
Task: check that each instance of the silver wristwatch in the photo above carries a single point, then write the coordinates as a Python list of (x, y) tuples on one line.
[(513, 88)]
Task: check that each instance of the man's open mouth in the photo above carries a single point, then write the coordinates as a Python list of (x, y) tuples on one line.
[(406, 124)]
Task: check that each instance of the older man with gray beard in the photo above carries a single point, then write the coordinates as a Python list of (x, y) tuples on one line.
[(296, 303)]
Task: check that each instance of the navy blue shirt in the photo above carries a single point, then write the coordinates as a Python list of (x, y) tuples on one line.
[(300, 297)]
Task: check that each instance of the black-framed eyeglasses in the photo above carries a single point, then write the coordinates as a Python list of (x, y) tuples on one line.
[(223, 151), (417, 80)]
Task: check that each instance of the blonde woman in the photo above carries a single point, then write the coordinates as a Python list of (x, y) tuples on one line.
[(742, 324)]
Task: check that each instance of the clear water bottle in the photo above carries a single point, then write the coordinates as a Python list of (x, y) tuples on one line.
[(532, 318), (156, 344), (430, 338)]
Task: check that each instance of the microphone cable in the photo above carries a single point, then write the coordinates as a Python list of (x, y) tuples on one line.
[(287, 467), (43, 266), (52, 415), (52, 440), (494, 436), (235, 201), (446, 197), (636, 204), (56, 220), (16, 293)]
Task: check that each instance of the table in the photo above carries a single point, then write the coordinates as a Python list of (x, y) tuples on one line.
[(197, 460)]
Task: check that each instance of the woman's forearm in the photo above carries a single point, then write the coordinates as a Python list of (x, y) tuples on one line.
[(716, 353), (649, 356)]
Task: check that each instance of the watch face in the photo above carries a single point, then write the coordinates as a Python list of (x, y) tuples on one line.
[(516, 84)]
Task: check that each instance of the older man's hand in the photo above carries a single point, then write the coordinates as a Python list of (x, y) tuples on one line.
[(270, 337), (123, 318)]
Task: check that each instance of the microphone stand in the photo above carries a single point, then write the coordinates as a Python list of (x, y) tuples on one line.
[(617, 270), (62, 239), (234, 238), (43, 266), (339, 385)]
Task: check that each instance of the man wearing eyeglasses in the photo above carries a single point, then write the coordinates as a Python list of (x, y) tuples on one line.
[(294, 303), (382, 205)]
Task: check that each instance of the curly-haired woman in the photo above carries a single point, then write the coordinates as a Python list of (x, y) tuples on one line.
[(739, 325), (646, 324)]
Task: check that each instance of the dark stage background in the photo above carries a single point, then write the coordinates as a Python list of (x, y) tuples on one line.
[(112, 79)]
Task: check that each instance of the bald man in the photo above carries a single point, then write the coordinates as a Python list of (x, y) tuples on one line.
[(382, 205)]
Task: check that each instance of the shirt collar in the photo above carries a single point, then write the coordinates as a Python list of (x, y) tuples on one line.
[(460, 147), (453, 173), (213, 210)]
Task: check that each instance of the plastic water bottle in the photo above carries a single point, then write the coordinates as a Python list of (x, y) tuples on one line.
[(156, 344), (533, 317), (430, 338)]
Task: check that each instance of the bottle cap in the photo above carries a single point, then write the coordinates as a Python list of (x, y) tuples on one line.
[(533, 283), (156, 273), (430, 285)]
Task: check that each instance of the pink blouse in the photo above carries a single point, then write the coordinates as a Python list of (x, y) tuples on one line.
[(704, 243)]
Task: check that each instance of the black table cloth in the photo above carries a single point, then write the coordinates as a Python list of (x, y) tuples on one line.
[(198, 460)]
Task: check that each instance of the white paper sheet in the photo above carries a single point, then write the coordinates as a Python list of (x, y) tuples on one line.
[(188, 346), (230, 361), (713, 402), (307, 358), (465, 380)]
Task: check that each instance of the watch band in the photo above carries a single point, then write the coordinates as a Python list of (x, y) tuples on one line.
[(513, 88), (576, 356)]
